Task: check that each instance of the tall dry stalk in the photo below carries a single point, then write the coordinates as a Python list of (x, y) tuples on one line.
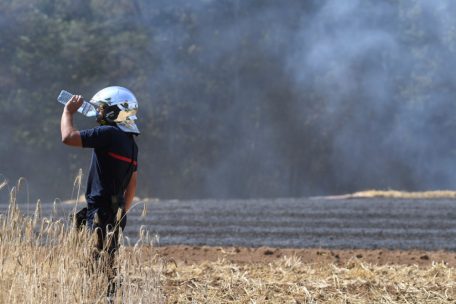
[(46, 260)]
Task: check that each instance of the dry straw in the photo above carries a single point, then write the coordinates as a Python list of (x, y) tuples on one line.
[(288, 280), (45, 260), (437, 194)]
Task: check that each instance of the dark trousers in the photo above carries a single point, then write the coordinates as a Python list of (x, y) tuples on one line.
[(102, 220)]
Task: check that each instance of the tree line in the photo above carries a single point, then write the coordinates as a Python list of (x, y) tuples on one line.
[(237, 98)]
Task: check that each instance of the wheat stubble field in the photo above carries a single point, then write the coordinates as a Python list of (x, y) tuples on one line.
[(364, 251)]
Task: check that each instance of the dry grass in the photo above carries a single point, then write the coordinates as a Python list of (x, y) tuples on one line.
[(290, 281), (45, 260), (394, 194)]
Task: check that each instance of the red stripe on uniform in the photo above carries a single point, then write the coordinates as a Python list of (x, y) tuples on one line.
[(123, 158)]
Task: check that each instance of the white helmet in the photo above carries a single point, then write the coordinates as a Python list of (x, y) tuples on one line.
[(121, 107)]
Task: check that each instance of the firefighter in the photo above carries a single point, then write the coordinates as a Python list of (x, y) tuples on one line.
[(111, 183)]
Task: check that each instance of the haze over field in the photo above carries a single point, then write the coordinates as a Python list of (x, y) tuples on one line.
[(238, 98)]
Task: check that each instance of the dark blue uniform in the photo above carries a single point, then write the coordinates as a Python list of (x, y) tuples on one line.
[(114, 160)]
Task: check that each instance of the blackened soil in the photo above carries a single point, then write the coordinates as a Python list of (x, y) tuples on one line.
[(295, 223)]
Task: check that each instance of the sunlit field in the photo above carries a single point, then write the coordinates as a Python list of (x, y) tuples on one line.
[(395, 194), (46, 260)]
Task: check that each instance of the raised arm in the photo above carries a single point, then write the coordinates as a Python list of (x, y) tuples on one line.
[(130, 191), (70, 135)]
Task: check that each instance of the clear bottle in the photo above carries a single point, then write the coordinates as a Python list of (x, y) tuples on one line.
[(86, 108)]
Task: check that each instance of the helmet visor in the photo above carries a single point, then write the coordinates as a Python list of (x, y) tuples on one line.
[(128, 126)]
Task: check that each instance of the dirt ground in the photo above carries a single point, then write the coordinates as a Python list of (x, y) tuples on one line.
[(187, 255)]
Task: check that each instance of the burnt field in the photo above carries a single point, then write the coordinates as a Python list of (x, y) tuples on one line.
[(297, 223)]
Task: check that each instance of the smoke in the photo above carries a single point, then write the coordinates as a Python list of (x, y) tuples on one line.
[(382, 69), (378, 76), (269, 99)]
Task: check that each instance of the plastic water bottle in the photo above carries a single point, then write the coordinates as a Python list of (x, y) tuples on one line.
[(86, 109)]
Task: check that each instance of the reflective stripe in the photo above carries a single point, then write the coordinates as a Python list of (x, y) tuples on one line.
[(123, 158)]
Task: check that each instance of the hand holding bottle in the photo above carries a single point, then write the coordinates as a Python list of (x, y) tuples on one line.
[(74, 103)]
